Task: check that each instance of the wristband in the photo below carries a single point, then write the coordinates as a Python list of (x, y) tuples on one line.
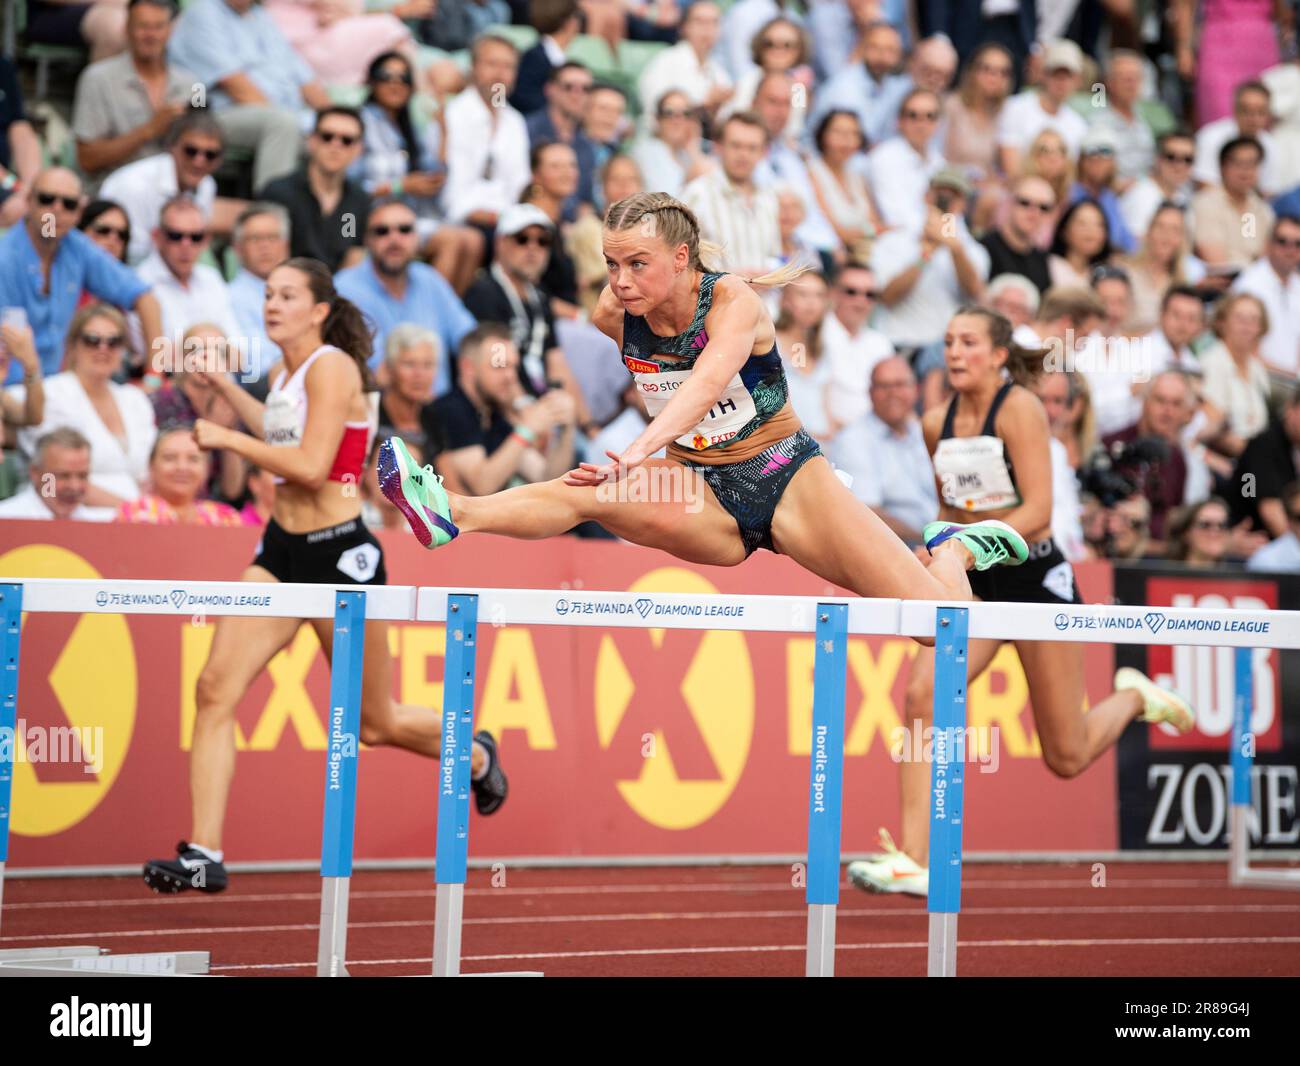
[(8, 181), (396, 187), (525, 434)]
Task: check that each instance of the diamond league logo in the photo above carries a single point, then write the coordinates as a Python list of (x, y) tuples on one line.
[(177, 596), (1154, 620), (644, 606)]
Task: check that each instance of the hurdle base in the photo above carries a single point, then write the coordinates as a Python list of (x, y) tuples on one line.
[(942, 956), (331, 955), (1240, 872), (820, 959), (86, 961)]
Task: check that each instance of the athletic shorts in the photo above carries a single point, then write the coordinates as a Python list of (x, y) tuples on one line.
[(346, 554), (1045, 577), (751, 489)]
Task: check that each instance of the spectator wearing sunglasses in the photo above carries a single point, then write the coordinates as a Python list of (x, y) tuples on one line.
[(327, 210), (1200, 537), (673, 154), (1096, 182), (195, 145), (1275, 279), (899, 169), (46, 262), (1168, 182), (1013, 247), (105, 223), (124, 105), (392, 287), (568, 90), (1282, 555), (117, 420), (187, 291)]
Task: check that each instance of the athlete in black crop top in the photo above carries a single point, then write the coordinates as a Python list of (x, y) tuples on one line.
[(992, 456)]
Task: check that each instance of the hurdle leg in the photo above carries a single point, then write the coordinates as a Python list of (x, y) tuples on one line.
[(454, 782), (1241, 758), (946, 788), (341, 782), (826, 786), (11, 616)]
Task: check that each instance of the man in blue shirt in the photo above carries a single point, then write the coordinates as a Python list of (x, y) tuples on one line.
[(259, 88), (567, 90), (390, 287), (872, 89), (46, 263)]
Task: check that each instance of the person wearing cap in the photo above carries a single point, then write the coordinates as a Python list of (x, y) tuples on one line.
[(899, 168), (1097, 172), (392, 287), (1135, 144), (1028, 114), (926, 275), (509, 293)]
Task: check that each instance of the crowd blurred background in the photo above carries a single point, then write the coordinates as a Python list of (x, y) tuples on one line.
[(1121, 178)]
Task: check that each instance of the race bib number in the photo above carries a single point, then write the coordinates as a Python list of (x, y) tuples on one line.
[(973, 474), (732, 411), (281, 426)]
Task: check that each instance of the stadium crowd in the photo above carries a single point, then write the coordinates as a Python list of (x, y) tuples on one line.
[(1120, 178)]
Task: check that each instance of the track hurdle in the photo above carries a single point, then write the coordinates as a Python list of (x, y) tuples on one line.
[(1243, 758), (1244, 630), (348, 605)]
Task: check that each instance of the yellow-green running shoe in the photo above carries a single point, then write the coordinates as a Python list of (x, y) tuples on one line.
[(417, 492), (1159, 704), (991, 542), (892, 871)]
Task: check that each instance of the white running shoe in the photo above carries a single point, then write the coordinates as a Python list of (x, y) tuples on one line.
[(893, 871), (1160, 705)]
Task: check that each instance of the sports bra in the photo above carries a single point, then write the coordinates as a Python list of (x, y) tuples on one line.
[(753, 395), (285, 416), (974, 472)]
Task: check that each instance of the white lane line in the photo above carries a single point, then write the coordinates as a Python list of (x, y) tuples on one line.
[(1083, 882), (906, 945), (846, 914)]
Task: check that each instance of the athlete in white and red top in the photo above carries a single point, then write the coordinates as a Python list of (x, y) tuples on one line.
[(313, 434)]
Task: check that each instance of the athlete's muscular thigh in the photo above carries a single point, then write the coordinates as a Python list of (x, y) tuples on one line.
[(664, 504)]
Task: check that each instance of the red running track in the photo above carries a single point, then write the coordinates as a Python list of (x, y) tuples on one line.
[(1017, 920)]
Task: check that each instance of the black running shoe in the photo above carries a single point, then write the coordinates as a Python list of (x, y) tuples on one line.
[(489, 790), (190, 869)]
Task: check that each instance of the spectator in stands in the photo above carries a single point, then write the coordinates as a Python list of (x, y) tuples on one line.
[(840, 30), (970, 122), (852, 347), (451, 25), (1013, 296), (1251, 117), (412, 355), (1048, 158), (339, 39), (261, 495), (391, 287), (839, 186), (1281, 555), (1236, 377), (899, 168), (327, 211), (555, 177), (191, 392), (105, 223), (1267, 465), (1081, 242), (1200, 537), (1057, 392), (1097, 182), (1128, 530), (790, 219), (496, 437), (178, 474), (1182, 318), (59, 478), (870, 86), (925, 276), (1025, 116), (557, 23), (194, 147), (808, 372), (487, 140), (46, 263), (1068, 401), (780, 47), (99, 26), (748, 26), (116, 419), (20, 149), (1135, 145), (187, 291), (732, 211), (689, 65), (261, 242), (605, 121), (1218, 210), (125, 105), (401, 159), (933, 66), (619, 178), (258, 86), (1274, 279), (673, 155), (884, 452), (18, 342), (1168, 181), (560, 121), (1013, 247), (1163, 259), (1167, 408)]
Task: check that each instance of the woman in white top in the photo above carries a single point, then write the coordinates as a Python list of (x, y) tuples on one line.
[(674, 155), (117, 419), (807, 372), (1235, 376), (1081, 242), (782, 46), (842, 191)]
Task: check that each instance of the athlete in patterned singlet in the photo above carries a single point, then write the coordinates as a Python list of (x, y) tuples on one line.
[(702, 349)]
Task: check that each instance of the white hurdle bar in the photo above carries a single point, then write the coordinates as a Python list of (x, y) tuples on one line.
[(349, 605)]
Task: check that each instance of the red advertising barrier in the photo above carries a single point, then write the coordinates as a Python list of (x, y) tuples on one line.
[(617, 742)]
